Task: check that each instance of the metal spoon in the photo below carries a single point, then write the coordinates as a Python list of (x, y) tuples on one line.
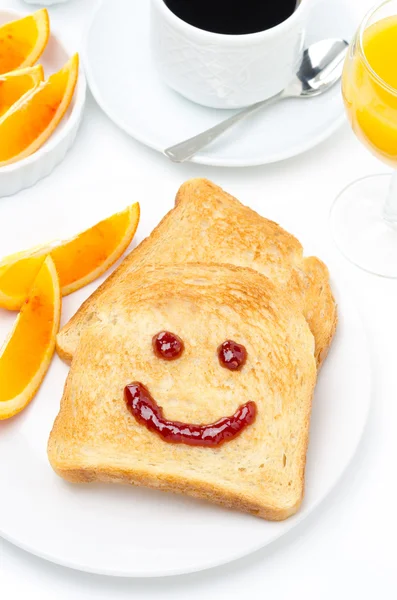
[(320, 69)]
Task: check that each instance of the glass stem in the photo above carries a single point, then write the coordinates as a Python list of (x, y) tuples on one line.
[(390, 207)]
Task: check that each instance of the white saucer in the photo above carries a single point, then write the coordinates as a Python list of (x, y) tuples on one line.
[(125, 84), (126, 531)]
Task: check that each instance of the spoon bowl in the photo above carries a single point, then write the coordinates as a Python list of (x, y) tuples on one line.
[(320, 69)]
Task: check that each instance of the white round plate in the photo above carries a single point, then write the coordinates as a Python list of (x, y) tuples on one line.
[(126, 531), (125, 84), (30, 170)]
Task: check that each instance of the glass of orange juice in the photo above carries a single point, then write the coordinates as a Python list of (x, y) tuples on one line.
[(364, 216)]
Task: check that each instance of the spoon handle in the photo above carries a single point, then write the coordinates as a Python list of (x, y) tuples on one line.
[(185, 150)]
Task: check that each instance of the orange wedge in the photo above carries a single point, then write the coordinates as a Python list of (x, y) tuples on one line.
[(26, 355), (78, 261), (16, 84), (23, 41), (34, 117)]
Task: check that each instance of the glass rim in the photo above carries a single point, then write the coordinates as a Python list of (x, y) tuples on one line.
[(361, 31)]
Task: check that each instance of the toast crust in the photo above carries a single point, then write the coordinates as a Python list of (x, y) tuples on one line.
[(208, 225), (102, 473), (261, 472)]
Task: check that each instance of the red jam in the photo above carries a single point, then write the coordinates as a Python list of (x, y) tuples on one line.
[(232, 356), (147, 412), (167, 346)]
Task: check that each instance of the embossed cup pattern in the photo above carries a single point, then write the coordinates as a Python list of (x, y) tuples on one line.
[(225, 71)]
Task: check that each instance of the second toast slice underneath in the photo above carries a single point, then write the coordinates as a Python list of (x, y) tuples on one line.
[(208, 225)]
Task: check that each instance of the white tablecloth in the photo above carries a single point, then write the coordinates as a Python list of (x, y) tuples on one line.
[(347, 549)]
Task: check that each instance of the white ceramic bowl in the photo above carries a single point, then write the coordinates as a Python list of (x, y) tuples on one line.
[(30, 170)]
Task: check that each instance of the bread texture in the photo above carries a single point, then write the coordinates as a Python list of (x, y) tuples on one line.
[(208, 225), (96, 438)]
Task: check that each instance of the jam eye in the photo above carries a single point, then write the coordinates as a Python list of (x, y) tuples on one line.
[(167, 346), (232, 356)]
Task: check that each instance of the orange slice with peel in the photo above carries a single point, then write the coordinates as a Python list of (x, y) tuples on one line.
[(16, 84), (34, 117), (22, 42), (26, 355), (78, 261)]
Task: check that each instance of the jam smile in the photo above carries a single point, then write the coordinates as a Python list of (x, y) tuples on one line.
[(146, 411)]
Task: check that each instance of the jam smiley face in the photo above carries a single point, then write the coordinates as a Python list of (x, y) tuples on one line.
[(141, 404)]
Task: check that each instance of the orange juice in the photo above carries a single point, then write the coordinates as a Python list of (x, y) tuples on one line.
[(370, 89)]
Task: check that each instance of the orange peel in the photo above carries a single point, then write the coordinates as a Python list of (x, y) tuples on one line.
[(23, 41), (78, 261), (26, 355), (28, 124)]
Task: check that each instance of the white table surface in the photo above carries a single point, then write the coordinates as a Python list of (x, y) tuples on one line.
[(347, 549)]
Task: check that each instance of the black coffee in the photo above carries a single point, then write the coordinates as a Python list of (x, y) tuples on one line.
[(234, 17)]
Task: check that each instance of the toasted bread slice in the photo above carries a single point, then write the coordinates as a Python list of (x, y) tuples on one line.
[(209, 225), (96, 438)]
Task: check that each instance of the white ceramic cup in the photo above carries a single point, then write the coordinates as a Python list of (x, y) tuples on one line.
[(226, 71)]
